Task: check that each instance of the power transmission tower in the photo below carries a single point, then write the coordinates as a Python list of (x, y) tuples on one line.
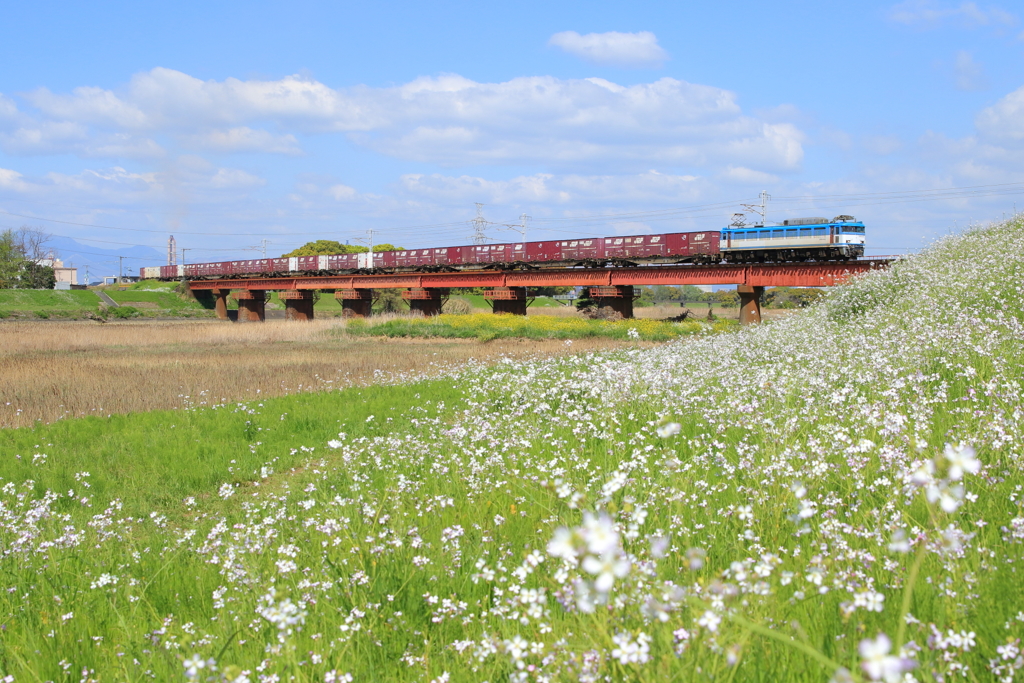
[(172, 251), (264, 243), (479, 224)]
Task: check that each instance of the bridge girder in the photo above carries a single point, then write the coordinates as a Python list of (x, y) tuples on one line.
[(753, 275)]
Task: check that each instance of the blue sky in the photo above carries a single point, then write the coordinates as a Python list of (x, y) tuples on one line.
[(228, 123)]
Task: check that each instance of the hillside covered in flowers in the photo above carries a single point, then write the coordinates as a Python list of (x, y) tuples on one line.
[(835, 496)]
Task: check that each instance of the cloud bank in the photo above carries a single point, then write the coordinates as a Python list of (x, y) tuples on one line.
[(447, 120), (931, 14)]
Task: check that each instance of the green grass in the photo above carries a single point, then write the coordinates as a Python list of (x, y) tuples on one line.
[(417, 544), (49, 301), (488, 326), (153, 461), (167, 300)]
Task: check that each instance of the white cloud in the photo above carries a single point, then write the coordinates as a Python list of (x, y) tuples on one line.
[(90, 105), (122, 146), (931, 14), (165, 99), (448, 120), (967, 73), (243, 139), (550, 189), (12, 180), (235, 178), (575, 122), (1005, 119), (342, 192), (747, 176), (632, 50), (882, 145), (8, 109), (182, 181)]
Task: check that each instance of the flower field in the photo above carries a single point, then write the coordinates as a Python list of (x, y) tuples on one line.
[(835, 496), (487, 326)]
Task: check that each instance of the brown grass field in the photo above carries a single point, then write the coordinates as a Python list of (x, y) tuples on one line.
[(52, 370)]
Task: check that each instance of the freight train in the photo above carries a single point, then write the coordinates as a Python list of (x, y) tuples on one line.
[(801, 239)]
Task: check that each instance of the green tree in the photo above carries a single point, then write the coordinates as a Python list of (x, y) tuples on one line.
[(551, 291), (36, 276), (11, 260), (328, 247), (323, 248), (388, 300)]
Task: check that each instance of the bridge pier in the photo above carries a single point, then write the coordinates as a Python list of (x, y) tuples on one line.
[(298, 304), (220, 302), (507, 299), (355, 303), (750, 303), (252, 305), (619, 298), (427, 301)]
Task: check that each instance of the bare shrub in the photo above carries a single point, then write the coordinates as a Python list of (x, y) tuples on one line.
[(457, 306)]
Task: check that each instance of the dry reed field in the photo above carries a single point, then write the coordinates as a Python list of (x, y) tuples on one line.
[(49, 371)]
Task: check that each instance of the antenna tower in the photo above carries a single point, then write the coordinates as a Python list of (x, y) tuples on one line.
[(172, 251), (479, 224)]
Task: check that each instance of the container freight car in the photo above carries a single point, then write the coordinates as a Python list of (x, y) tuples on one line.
[(796, 240)]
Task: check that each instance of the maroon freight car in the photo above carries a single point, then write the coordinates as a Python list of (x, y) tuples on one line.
[(679, 247)]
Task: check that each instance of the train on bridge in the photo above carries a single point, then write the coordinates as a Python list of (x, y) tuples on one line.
[(795, 240)]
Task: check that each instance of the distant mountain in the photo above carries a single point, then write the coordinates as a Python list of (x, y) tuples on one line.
[(101, 262)]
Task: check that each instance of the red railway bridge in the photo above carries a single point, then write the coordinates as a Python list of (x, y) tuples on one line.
[(507, 290)]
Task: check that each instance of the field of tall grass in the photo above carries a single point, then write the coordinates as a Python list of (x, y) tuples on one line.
[(836, 496), (59, 370)]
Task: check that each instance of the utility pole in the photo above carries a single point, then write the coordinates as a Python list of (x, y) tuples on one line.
[(183, 250), (760, 209), (264, 243), (479, 223), (521, 228), (369, 241), (120, 269), (172, 251)]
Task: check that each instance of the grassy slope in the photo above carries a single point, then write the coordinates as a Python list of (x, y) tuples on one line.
[(47, 300), (386, 531)]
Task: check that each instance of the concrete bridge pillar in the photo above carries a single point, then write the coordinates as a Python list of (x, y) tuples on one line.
[(355, 303), (426, 301), (750, 303), (252, 305), (220, 302), (507, 299), (298, 304), (619, 298)]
